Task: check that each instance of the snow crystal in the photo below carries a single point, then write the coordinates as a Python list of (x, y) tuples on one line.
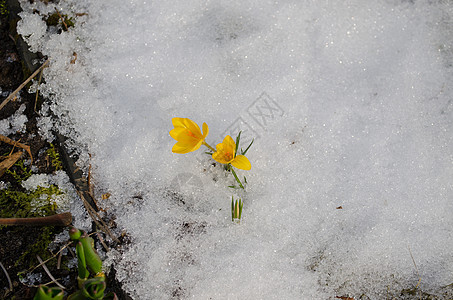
[(350, 106), (14, 123), (33, 30)]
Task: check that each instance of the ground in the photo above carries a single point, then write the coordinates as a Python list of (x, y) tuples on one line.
[(21, 244)]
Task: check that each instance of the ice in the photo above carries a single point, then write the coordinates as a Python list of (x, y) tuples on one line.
[(350, 106), (15, 123), (33, 30)]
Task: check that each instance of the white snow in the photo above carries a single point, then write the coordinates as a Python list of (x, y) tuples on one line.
[(349, 102), (66, 201), (15, 123)]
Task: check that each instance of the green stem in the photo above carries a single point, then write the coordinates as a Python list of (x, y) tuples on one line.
[(237, 179), (207, 145)]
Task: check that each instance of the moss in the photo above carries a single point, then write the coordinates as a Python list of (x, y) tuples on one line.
[(38, 248), (35, 203), (3, 8), (55, 19), (55, 158), (17, 204), (19, 171)]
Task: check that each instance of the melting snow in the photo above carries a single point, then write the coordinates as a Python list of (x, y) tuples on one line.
[(350, 103)]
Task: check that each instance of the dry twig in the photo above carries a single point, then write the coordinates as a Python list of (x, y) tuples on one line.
[(48, 272), (53, 256), (14, 143), (37, 90), (61, 18), (102, 242), (9, 162), (416, 269), (97, 218), (13, 94), (59, 260), (7, 277)]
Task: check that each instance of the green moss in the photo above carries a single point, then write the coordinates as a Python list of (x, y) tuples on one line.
[(3, 8), (38, 248), (19, 171), (35, 203), (55, 19), (55, 158), (17, 204)]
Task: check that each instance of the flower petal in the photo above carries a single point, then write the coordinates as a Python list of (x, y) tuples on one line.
[(188, 135), (178, 122), (177, 131), (205, 130), (241, 162), (225, 151), (219, 155), (183, 148), (229, 144), (187, 139), (193, 127)]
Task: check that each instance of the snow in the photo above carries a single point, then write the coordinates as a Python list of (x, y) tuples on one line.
[(66, 201), (350, 106), (15, 123)]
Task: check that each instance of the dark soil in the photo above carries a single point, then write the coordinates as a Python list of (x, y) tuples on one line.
[(20, 244)]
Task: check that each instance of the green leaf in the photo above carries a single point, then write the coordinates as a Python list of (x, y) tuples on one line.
[(81, 262), (94, 288), (247, 149), (237, 179), (238, 138), (232, 209), (93, 262), (49, 293), (240, 208)]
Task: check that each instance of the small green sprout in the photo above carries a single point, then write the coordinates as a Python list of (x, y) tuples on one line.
[(82, 270), (236, 209), (49, 293), (87, 258), (93, 261), (92, 289)]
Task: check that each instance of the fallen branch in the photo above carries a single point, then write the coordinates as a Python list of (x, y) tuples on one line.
[(13, 94), (63, 219), (16, 144)]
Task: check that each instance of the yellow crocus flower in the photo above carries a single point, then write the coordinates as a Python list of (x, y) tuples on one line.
[(225, 154), (188, 135)]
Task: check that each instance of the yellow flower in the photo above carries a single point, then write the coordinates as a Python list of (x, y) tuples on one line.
[(188, 135), (225, 155)]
